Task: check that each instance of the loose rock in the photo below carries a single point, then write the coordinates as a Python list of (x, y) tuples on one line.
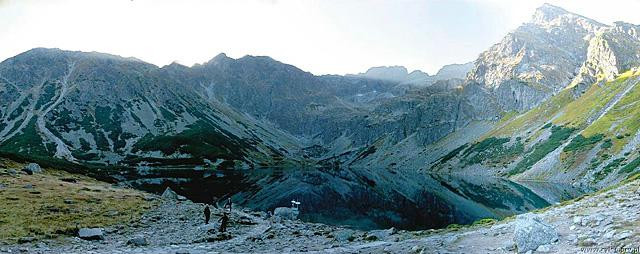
[(91, 234)]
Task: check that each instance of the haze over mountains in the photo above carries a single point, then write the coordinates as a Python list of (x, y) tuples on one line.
[(558, 80)]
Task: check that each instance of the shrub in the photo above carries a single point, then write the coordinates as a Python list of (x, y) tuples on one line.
[(580, 143)]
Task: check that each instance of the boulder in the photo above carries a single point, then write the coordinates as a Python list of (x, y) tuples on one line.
[(344, 235), (138, 241), (169, 194), (531, 232), (91, 234), (382, 234), (32, 168), (287, 213)]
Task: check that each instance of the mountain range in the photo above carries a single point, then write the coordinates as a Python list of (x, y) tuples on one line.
[(555, 99)]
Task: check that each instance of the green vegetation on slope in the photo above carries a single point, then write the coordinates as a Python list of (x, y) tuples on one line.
[(201, 140), (580, 143), (622, 119), (558, 135), (493, 151)]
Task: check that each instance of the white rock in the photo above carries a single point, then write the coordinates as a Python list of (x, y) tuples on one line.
[(609, 234), (91, 234), (623, 235), (577, 220), (530, 232), (543, 248), (286, 213)]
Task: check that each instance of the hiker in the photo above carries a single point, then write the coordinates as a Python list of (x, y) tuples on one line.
[(223, 222), (228, 204), (207, 214)]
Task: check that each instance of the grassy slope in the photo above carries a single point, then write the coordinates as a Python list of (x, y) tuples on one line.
[(615, 128), (41, 211)]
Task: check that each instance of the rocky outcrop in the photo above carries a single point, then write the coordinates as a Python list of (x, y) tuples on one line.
[(611, 51)]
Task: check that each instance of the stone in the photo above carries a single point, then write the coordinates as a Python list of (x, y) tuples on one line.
[(28, 186), (219, 237), (531, 232), (287, 213), (91, 234), (344, 235), (69, 201), (246, 221), (609, 234), (69, 180), (32, 168), (382, 234), (416, 249), (509, 245), (622, 235), (138, 241), (26, 239), (169, 194), (577, 220), (543, 248), (587, 242), (12, 171)]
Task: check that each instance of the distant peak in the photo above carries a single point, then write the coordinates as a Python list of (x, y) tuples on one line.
[(220, 58), (394, 68), (550, 9), (548, 12)]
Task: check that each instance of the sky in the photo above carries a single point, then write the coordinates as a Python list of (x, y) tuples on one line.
[(322, 37)]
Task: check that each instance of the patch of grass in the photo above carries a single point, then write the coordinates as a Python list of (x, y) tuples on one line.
[(536, 116), (41, 211), (484, 222), (606, 144), (633, 165), (558, 135), (493, 151), (201, 140), (614, 164), (622, 118), (452, 154), (580, 143), (591, 102), (28, 142)]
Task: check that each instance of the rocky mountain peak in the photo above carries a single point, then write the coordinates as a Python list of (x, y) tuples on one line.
[(548, 12), (220, 58), (550, 16)]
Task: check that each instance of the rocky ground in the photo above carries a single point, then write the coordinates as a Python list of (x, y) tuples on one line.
[(605, 222)]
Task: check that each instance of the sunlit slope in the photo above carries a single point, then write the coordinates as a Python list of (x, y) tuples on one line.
[(584, 136)]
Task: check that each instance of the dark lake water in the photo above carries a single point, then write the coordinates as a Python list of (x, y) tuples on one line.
[(361, 198)]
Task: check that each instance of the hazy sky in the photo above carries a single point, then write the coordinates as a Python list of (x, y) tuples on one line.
[(329, 36)]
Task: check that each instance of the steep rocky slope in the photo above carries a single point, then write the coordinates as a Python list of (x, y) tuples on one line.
[(104, 109), (536, 60)]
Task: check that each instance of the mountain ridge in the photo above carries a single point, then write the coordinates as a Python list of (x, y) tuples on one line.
[(257, 111)]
